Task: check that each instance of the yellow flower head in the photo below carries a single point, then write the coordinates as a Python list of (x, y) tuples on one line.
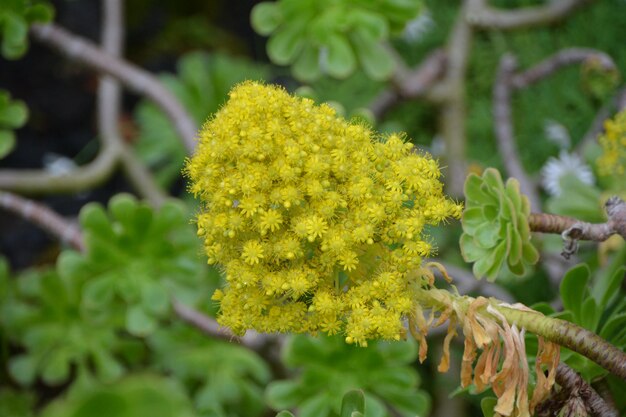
[(613, 143), (316, 221)]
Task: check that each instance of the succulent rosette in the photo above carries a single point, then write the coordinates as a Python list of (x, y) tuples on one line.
[(495, 226)]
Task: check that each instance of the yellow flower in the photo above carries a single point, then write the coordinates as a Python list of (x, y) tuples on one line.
[(613, 143), (252, 252), (301, 209)]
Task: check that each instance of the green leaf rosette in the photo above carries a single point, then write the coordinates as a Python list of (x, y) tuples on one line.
[(495, 226), (332, 37), (15, 18)]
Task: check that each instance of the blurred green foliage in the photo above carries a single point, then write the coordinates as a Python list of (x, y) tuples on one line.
[(15, 18), (593, 301), (13, 115), (333, 37), (331, 368)]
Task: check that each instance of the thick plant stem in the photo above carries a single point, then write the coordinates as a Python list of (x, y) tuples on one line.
[(573, 383), (550, 223), (559, 331), (571, 336), (576, 229)]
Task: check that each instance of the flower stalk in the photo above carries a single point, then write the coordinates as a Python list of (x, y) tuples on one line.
[(555, 330)]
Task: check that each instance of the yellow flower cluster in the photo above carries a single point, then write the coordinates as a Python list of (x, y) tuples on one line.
[(317, 224), (613, 143)]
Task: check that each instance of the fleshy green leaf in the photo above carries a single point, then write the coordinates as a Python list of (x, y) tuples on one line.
[(23, 369), (590, 314), (376, 61), (341, 60), (613, 326), (265, 17), (470, 251), (138, 322), (486, 235), (56, 367), (282, 394), (607, 286), (530, 254), (14, 115), (154, 298), (39, 13), (315, 406), (306, 67), (473, 189), (7, 142), (487, 406), (574, 288), (284, 47), (372, 23), (353, 401), (93, 217), (14, 35)]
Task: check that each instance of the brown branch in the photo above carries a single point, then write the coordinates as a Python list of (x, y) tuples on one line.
[(579, 230), (109, 100), (407, 85), (203, 322), (135, 78), (503, 127), (604, 390), (575, 386), (113, 150), (481, 15), (43, 217), (453, 112), (34, 181), (573, 230), (506, 82), (210, 327), (559, 60)]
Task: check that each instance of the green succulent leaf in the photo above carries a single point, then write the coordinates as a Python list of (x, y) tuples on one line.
[(284, 47), (139, 395), (375, 60), (487, 406), (574, 287), (496, 234), (298, 30), (228, 379), (391, 381), (341, 61), (16, 403), (15, 18), (353, 402), (13, 115), (23, 369), (265, 18), (7, 142)]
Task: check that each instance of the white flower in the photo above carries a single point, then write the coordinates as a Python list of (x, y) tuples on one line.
[(557, 133), (417, 28), (58, 165), (557, 168)]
